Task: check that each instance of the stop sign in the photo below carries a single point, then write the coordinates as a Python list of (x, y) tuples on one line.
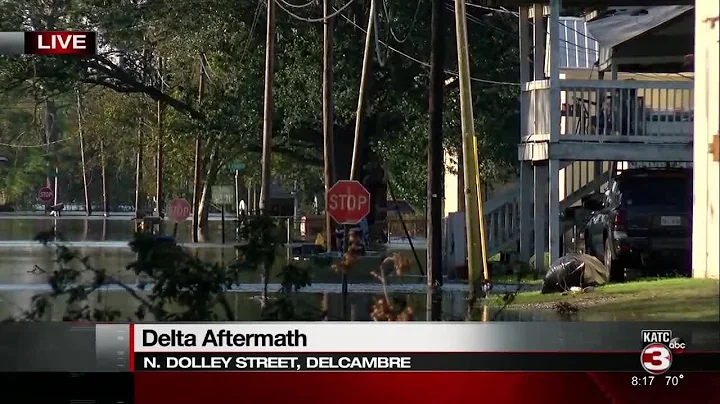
[(46, 194), (347, 202), (178, 210)]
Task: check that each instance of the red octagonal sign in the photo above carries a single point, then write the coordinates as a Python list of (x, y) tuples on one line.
[(347, 202)]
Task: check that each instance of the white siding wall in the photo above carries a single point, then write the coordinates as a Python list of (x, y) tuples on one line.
[(706, 209)]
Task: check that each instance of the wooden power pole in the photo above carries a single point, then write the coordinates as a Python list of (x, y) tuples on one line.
[(159, 153), (367, 58), (268, 109), (471, 170), (198, 164), (435, 147), (328, 119)]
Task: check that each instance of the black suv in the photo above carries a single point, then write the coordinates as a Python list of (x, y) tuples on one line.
[(643, 222)]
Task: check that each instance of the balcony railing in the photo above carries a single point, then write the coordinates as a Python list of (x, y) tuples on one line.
[(607, 110)]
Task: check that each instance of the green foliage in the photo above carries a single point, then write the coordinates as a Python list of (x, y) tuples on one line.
[(121, 87), (179, 286)]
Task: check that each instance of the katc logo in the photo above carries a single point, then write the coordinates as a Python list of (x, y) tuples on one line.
[(60, 43), (657, 356)]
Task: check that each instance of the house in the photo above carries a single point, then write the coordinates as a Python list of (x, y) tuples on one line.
[(638, 104), (583, 64)]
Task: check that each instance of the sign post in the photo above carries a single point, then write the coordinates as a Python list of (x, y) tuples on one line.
[(178, 210), (236, 166), (347, 202), (222, 195), (46, 196)]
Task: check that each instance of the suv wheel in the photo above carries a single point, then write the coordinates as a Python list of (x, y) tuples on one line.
[(614, 266)]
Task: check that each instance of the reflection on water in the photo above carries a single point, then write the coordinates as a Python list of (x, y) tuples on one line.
[(24, 266), (118, 227), (247, 307)]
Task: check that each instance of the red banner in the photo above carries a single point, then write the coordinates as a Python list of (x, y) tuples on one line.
[(424, 387)]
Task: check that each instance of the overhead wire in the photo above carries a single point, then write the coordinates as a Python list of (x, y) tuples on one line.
[(305, 19), (416, 60), (376, 36), (478, 21), (490, 8), (291, 5), (412, 23), (252, 28), (34, 146)]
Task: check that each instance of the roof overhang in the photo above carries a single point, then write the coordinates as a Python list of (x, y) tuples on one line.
[(656, 40), (586, 3)]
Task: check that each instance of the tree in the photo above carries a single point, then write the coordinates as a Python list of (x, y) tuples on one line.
[(228, 35)]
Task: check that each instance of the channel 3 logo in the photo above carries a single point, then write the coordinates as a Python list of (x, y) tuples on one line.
[(659, 346)]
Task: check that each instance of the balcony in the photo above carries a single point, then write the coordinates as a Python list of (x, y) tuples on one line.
[(611, 111)]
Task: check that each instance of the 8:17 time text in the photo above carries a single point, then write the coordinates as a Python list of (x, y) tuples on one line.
[(642, 381)]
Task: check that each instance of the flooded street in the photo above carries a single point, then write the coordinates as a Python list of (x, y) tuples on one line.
[(24, 265)]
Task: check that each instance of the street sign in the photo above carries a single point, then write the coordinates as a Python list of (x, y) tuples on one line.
[(46, 194), (178, 210), (236, 166), (347, 202), (223, 194)]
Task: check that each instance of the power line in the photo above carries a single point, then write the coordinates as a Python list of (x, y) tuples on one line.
[(516, 14), (416, 60), (376, 36), (490, 8), (34, 146), (291, 5), (412, 24), (252, 28), (487, 24), (305, 19)]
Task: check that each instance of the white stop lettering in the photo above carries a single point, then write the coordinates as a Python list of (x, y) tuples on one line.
[(346, 202)]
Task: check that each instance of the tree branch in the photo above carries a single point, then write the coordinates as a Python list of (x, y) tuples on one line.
[(113, 71)]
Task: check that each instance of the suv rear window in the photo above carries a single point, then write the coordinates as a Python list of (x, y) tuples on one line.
[(656, 191)]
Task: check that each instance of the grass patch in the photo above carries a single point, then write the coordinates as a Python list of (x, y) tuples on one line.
[(660, 299)]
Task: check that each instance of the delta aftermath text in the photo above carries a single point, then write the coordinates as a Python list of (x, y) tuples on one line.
[(222, 338)]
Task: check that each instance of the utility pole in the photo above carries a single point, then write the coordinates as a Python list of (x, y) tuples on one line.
[(268, 109), (159, 153), (435, 147), (471, 170), (198, 165), (328, 119), (367, 57), (88, 207), (355, 164)]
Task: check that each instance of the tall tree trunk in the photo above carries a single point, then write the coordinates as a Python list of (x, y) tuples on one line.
[(159, 156), (103, 173), (198, 162), (139, 196), (211, 173), (88, 205), (51, 136)]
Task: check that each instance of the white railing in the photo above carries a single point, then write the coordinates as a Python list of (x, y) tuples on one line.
[(502, 214), (502, 220), (612, 110)]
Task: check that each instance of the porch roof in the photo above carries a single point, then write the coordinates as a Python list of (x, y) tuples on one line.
[(594, 4), (654, 39)]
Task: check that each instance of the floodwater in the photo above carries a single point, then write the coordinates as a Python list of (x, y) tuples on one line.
[(24, 265)]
